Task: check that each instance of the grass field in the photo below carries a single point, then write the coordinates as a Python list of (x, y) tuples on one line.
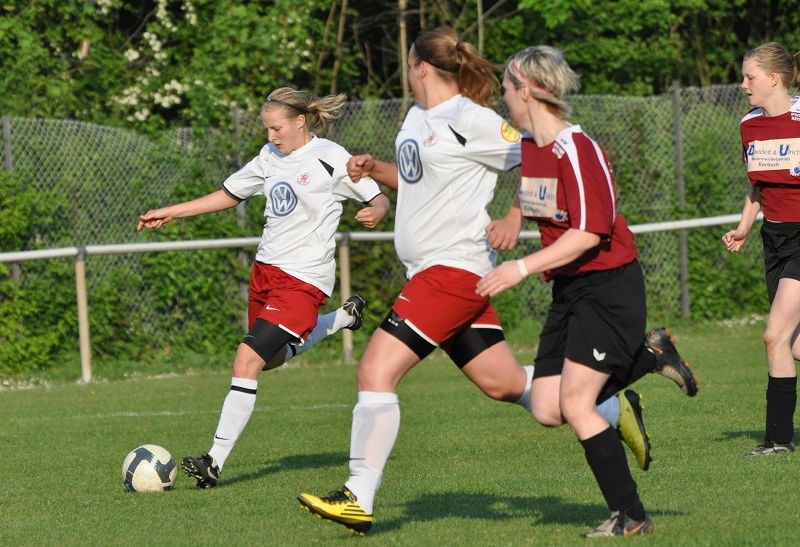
[(465, 470)]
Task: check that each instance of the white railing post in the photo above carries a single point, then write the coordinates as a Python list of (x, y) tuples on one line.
[(83, 316), (346, 291)]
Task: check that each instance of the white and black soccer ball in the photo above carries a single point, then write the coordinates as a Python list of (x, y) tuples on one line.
[(149, 468)]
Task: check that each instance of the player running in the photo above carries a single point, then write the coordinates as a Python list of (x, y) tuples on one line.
[(304, 178)]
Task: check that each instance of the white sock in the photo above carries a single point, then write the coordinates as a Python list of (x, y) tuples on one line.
[(376, 423), (525, 400), (609, 409), (327, 324), (236, 412)]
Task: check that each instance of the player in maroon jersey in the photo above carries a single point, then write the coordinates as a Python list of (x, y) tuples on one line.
[(771, 150)]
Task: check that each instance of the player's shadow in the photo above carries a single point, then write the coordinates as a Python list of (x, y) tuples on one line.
[(741, 434), (290, 463), (538, 510)]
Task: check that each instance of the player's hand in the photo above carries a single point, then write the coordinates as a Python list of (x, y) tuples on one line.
[(734, 240), (503, 277), (503, 234), (369, 217), (360, 166), (152, 219)]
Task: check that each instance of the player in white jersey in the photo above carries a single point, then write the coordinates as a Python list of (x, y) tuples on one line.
[(771, 150), (304, 179), (449, 151)]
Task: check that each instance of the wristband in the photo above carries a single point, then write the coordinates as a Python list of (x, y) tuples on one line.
[(522, 268)]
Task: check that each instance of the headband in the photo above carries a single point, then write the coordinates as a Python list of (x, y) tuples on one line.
[(513, 68), (301, 109)]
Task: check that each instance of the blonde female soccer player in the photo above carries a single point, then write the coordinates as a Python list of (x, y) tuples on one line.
[(304, 178)]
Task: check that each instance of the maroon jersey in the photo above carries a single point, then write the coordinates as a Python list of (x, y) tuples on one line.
[(771, 150), (570, 184)]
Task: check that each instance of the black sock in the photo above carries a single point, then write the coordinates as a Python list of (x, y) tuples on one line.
[(781, 402), (607, 460)]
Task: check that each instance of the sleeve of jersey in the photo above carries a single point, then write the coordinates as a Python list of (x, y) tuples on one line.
[(365, 190), (588, 186), (492, 141), (247, 181)]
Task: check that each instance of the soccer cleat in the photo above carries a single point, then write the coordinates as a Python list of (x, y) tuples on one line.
[(669, 363), (354, 306), (619, 524), (769, 448), (631, 427), (338, 506), (204, 469)]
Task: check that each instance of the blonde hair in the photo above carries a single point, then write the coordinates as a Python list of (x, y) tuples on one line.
[(773, 57), (544, 71), (459, 61), (319, 111)]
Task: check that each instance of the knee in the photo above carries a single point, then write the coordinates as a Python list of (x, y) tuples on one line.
[(548, 417), (247, 363), (502, 392), (772, 341)]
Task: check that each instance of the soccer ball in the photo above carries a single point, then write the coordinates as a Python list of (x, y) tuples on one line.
[(149, 468)]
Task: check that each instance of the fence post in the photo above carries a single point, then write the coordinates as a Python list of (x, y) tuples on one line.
[(680, 184), (83, 316), (8, 163), (346, 291), (242, 255)]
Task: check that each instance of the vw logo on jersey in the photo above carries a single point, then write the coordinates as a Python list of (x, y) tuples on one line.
[(408, 163), (282, 199)]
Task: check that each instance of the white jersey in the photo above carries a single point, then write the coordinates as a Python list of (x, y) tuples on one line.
[(448, 159), (304, 190)]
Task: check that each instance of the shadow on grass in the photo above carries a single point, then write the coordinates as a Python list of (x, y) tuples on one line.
[(540, 510), (757, 436), (290, 463)]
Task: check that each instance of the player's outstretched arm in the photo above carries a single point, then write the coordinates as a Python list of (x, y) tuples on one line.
[(210, 203)]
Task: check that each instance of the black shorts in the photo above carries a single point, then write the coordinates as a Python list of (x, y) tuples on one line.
[(781, 253), (597, 319)]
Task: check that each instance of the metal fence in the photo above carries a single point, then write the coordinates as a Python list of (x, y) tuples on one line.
[(676, 156)]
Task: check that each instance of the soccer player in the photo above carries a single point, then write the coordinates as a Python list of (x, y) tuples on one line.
[(449, 151), (304, 178), (591, 337), (770, 143)]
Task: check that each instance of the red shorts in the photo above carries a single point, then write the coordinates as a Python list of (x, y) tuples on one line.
[(283, 300), (440, 302)]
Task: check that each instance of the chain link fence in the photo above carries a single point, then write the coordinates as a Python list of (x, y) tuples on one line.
[(676, 156)]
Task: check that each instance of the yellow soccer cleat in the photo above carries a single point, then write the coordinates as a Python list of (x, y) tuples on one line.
[(631, 427), (338, 506)]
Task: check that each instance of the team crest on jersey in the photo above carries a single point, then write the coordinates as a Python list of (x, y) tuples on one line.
[(509, 133), (282, 199), (430, 140), (302, 179), (408, 163)]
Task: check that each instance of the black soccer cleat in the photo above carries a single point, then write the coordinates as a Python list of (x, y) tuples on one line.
[(204, 469), (669, 362), (354, 306)]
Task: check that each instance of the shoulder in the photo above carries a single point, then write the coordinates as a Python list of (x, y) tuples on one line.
[(751, 115)]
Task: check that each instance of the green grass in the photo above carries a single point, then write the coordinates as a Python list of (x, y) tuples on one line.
[(465, 470)]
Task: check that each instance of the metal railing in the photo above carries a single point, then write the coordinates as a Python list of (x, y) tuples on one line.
[(343, 239)]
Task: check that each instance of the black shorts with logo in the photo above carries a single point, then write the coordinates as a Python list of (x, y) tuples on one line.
[(781, 253), (597, 319)]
